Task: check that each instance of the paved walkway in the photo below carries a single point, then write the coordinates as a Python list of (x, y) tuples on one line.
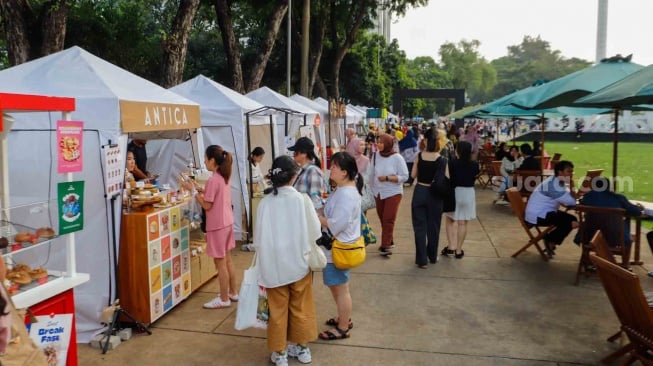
[(485, 309)]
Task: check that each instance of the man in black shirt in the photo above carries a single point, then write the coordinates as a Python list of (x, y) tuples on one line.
[(529, 163)]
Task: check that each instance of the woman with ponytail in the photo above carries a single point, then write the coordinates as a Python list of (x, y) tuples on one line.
[(342, 216), (215, 199), (283, 242)]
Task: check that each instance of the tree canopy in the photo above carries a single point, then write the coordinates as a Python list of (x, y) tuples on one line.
[(242, 44)]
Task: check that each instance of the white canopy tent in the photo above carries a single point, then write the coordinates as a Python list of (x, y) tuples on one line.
[(338, 126), (223, 123), (311, 117), (111, 102)]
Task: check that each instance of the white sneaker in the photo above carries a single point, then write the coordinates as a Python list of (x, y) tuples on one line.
[(303, 354), (279, 359), (247, 248), (217, 303)]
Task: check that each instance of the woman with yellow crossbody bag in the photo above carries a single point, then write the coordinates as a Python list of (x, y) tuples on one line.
[(342, 214)]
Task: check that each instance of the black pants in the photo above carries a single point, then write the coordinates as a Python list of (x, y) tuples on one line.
[(426, 212), (649, 237), (562, 222)]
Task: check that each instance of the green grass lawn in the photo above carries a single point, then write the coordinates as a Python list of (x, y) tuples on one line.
[(635, 163)]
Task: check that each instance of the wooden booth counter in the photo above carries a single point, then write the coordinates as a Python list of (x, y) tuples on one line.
[(154, 266)]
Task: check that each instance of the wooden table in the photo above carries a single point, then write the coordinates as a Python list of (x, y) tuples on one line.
[(638, 229)]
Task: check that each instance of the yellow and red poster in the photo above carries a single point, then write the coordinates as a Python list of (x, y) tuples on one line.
[(69, 146)]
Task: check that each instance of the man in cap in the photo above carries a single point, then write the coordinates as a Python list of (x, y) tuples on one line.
[(310, 179)]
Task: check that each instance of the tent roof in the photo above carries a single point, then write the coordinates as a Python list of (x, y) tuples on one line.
[(75, 72), (213, 95), (269, 97), (309, 103)]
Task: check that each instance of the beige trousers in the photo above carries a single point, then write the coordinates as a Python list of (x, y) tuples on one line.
[(292, 314)]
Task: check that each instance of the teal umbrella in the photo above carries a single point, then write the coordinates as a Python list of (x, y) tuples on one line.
[(565, 90), (628, 93), (634, 92)]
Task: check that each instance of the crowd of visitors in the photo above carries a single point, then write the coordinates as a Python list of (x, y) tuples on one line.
[(315, 207)]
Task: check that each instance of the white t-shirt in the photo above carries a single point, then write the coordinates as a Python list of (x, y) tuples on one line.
[(547, 197)]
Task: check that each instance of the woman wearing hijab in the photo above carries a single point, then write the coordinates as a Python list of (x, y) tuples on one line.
[(408, 150), (388, 173), (356, 148)]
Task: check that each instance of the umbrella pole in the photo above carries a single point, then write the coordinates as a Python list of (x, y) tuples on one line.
[(614, 148), (542, 132)]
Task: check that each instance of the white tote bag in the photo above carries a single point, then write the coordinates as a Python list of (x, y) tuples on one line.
[(248, 300), (316, 258)]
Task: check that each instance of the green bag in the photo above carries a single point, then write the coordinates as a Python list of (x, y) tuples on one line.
[(366, 231)]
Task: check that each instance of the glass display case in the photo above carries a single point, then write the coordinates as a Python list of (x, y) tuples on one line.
[(39, 263)]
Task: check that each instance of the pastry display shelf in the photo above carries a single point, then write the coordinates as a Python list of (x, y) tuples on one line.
[(58, 282), (10, 229)]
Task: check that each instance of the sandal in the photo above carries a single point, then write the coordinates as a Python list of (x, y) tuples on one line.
[(330, 335), (334, 323), (446, 251)]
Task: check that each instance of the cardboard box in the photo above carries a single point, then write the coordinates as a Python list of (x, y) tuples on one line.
[(207, 267), (195, 273)]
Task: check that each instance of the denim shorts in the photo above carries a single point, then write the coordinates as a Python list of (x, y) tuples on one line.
[(332, 276)]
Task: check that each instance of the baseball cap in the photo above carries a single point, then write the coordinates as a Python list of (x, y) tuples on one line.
[(303, 144)]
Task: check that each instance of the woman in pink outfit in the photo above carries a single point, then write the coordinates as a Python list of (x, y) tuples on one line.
[(215, 199)]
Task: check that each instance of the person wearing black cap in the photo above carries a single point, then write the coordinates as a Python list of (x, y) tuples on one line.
[(310, 179)]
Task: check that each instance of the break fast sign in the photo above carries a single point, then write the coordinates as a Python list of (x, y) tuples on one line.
[(144, 116)]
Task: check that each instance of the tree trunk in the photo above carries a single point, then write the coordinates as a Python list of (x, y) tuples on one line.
[(358, 11), (53, 26), (306, 21), (321, 89), (15, 16), (231, 45), (175, 46), (316, 47), (258, 69)]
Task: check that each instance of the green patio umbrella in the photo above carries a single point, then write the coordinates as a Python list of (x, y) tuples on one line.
[(565, 90), (634, 92), (464, 112)]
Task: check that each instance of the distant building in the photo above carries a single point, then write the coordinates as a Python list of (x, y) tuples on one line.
[(383, 22)]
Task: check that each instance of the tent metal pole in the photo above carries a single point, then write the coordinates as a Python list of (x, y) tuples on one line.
[(272, 137), (286, 126), (249, 180), (615, 139), (542, 121)]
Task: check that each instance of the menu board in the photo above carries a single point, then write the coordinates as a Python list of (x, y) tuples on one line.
[(168, 260), (114, 167)]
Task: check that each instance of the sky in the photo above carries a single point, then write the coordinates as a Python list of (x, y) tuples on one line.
[(568, 25)]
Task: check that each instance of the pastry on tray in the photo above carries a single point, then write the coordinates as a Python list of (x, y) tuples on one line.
[(21, 267), (45, 232), (38, 273), (19, 277), (23, 236)]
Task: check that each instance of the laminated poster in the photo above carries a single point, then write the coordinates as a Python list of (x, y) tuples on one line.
[(70, 202), (52, 335), (69, 151)]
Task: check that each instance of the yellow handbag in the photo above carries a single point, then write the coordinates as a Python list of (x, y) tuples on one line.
[(346, 256)]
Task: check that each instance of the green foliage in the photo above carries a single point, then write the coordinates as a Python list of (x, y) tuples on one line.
[(467, 68), (528, 62)]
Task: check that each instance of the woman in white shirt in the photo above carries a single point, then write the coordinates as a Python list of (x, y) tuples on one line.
[(283, 263), (509, 164), (342, 216), (258, 180), (388, 173)]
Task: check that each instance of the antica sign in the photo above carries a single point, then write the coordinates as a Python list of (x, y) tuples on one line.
[(143, 116)]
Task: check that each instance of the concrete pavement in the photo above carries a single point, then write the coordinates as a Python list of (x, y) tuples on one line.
[(485, 309)]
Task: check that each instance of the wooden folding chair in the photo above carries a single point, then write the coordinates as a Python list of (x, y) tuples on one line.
[(629, 303), (497, 179), (610, 222), (486, 171), (535, 234), (586, 184)]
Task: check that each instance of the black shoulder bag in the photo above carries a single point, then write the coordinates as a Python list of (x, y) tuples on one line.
[(440, 185)]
